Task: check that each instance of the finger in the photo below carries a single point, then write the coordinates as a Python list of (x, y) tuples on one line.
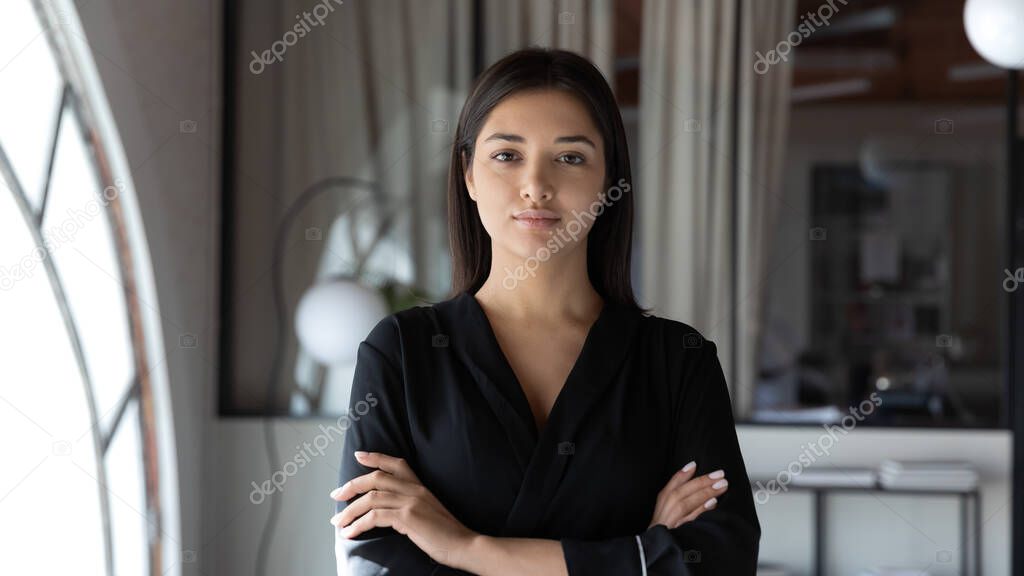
[(671, 501), (376, 480), (701, 498), (697, 484), (376, 518), (390, 464), (348, 489), (688, 512), (363, 504), (681, 477), (709, 505), (692, 497)]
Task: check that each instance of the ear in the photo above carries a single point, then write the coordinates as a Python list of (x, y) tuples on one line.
[(467, 170)]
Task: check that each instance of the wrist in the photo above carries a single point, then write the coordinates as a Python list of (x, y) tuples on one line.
[(478, 554)]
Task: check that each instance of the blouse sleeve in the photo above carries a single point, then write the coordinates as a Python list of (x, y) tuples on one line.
[(377, 422), (720, 541)]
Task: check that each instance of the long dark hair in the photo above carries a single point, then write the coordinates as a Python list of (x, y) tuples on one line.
[(609, 243)]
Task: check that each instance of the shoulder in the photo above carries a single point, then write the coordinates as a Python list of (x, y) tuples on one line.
[(399, 332), (692, 365), (676, 336)]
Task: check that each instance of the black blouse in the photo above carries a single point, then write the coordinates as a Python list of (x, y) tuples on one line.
[(645, 396)]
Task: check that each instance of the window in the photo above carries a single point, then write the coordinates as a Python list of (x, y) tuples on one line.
[(87, 484)]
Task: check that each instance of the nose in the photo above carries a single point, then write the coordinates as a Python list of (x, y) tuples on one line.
[(536, 186)]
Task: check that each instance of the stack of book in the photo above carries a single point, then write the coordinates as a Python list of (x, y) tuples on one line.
[(835, 476), (822, 415), (927, 475), (894, 571), (771, 570)]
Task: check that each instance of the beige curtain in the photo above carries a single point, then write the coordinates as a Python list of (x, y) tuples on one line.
[(764, 115), (704, 122), (583, 26)]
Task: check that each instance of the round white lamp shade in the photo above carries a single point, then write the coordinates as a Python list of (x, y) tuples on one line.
[(333, 317), (995, 29)]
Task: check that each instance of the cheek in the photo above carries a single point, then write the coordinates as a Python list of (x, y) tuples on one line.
[(493, 198), (489, 215), (581, 194), (490, 179)]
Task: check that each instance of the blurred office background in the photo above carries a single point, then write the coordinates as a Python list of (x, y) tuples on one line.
[(824, 188)]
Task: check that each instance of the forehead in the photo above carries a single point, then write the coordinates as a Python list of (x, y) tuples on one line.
[(540, 113)]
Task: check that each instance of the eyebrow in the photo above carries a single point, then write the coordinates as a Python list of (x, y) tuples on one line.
[(517, 138)]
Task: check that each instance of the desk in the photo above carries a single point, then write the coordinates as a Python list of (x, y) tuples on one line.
[(966, 497)]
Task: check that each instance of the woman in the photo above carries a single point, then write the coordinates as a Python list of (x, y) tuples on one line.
[(539, 422)]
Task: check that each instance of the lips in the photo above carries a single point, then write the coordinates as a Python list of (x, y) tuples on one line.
[(537, 215), (537, 219)]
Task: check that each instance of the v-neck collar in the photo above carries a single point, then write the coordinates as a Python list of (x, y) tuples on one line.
[(489, 341), (541, 455)]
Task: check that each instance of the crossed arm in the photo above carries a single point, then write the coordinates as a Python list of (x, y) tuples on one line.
[(387, 520), (393, 497)]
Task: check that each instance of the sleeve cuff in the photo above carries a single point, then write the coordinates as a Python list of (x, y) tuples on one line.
[(643, 557), (614, 556)]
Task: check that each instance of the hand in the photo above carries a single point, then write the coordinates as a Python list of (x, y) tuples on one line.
[(393, 496), (683, 499)]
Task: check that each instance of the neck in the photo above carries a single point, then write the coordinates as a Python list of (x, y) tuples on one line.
[(557, 288)]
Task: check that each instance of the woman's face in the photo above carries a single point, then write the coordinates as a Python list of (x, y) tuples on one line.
[(538, 151)]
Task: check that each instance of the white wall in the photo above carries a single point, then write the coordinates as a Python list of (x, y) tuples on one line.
[(303, 539)]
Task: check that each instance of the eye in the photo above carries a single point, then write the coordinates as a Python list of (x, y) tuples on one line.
[(504, 156), (571, 159)]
